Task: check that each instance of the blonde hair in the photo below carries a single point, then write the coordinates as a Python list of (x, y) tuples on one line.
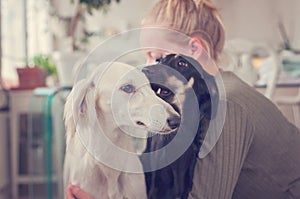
[(195, 18)]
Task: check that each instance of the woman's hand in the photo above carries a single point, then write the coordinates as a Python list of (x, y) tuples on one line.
[(74, 192)]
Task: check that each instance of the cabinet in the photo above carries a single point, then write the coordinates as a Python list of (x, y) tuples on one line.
[(4, 163), (37, 143), (19, 117)]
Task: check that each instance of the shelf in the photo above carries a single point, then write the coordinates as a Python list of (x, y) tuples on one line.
[(34, 179)]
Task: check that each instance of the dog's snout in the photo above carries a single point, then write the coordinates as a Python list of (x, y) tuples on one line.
[(173, 122)]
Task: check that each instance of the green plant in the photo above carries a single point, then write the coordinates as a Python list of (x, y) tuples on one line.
[(96, 4), (45, 62), (82, 6), (72, 20)]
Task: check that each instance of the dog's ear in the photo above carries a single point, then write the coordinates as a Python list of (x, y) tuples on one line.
[(190, 83), (210, 98), (206, 87), (83, 101)]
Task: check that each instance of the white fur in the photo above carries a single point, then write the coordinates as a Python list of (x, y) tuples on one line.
[(100, 101)]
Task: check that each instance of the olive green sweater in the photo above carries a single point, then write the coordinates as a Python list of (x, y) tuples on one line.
[(257, 155)]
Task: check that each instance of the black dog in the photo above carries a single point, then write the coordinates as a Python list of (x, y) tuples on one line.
[(174, 78)]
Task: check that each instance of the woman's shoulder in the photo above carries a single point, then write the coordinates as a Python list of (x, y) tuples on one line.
[(262, 111), (237, 91), (247, 98), (233, 84)]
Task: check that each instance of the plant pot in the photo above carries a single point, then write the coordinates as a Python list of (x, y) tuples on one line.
[(31, 77)]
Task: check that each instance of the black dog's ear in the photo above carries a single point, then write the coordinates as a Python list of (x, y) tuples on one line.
[(205, 88), (209, 106)]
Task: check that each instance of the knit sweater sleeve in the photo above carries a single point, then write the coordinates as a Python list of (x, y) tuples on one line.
[(216, 174), (257, 153)]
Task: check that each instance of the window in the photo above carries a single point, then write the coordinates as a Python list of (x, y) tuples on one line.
[(18, 48)]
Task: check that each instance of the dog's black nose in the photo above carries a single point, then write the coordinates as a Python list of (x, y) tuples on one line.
[(174, 122)]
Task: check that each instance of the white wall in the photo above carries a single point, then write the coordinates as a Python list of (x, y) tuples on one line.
[(296, 35), (121, 16), (257, 19)]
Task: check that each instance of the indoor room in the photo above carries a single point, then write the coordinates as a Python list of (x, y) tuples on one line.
[(73, 71)]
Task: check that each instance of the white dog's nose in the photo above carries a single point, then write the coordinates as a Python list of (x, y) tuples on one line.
[(162, 119)]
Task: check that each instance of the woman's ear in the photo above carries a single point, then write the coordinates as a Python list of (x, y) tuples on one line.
[(199, 50), (196, 46)]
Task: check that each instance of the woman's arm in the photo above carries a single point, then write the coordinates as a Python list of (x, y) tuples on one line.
[(216, 174)]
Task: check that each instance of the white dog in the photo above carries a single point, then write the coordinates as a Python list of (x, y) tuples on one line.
[(115, 101)]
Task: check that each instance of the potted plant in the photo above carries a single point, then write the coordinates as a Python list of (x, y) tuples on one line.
[(72, 41), (82, 6), (30, 77), (46, 63)]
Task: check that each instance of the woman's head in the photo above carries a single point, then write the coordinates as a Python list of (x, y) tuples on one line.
[(198, 19)]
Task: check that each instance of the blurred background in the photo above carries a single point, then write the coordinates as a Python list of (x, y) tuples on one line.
[(43, 40)]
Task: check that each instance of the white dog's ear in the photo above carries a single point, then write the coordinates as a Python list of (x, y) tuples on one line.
[(83, 102)]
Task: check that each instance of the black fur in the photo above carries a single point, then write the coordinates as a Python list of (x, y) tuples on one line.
[(175, 180)]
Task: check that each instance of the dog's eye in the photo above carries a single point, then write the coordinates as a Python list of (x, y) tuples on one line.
[(182, 64), (163, 92), (128, 88)]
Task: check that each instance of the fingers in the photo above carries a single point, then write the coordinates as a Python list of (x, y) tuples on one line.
[(74, 192), (69, 193)]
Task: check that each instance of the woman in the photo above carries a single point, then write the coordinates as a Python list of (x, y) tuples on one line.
[(258, 152)]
